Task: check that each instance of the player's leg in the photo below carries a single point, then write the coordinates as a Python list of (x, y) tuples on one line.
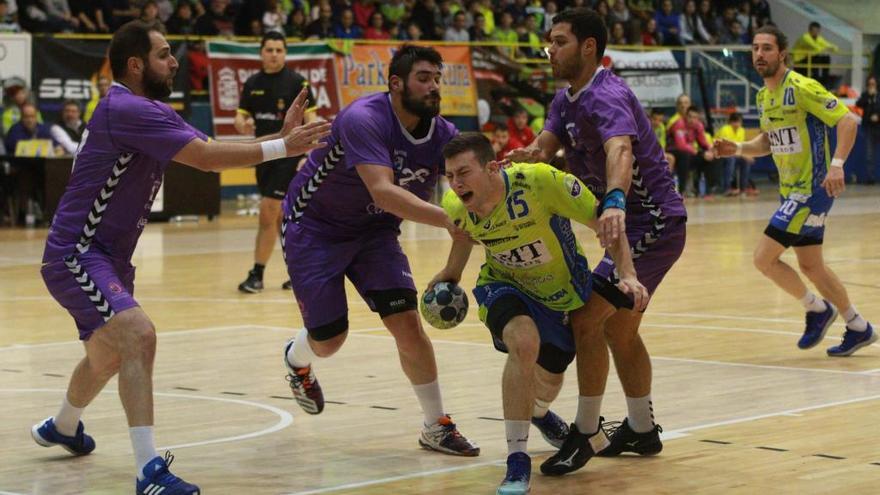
[(553, 428), (859, 333), (316, 267), (272, 181)]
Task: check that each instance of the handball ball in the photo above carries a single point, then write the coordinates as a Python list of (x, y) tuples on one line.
[(444, 306)]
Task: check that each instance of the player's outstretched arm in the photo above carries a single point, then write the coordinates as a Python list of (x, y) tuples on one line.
[(757, 146), (396, 200), (458, 258), (847, 127), (542, 149), (213, 156)]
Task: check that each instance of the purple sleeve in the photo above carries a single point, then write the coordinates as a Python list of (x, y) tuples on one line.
[(612, 116), (153, 129), (363, 139), (554, 124)]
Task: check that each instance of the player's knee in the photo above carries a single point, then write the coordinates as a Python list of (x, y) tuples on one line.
[(327, 339), (327, 348), (522, 339), (763, 263)]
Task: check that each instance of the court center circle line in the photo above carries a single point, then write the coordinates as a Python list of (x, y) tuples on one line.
[(285, 418)]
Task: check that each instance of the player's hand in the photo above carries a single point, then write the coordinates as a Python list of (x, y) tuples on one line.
[(248, 128), (724, 147), (630, 285), (443, 276), (612, 225), (834, 183), (305, 138), (527, 155), (295, 113), (457, 233)]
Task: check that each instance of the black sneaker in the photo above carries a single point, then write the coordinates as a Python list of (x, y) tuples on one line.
[(252, 285), (287, 285), (624, 439), (575, 452)]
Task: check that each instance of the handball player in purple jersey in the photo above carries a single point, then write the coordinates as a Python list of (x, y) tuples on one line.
[(342, 218), (87, 268), (609, 144)]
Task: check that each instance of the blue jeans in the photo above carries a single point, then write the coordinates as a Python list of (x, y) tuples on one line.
[(736, 168)]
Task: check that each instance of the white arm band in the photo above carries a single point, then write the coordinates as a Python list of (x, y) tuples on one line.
[(274, 149), (739, 149), (837, 162)]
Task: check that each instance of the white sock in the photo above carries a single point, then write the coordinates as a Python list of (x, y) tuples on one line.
[(300, 353), (812, 303), (67, 419), (517, 435), (640, 413), (587, 418), (854, 320), (144, 447), (431, 401), (539, 410)]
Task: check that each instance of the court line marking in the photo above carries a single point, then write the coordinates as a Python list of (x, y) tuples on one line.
[(285, 418), (10, 493)]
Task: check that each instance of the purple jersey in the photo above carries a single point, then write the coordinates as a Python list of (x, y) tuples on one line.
[(328, 195), (606, 107), (116, 173)]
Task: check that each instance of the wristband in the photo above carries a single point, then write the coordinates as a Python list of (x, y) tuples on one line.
[(274, 149), (837, 162), (739, 148), (614, 199)]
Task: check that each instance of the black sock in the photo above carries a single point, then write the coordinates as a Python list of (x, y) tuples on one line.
[(258, 270)]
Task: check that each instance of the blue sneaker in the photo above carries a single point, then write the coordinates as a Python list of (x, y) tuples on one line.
[(519, 473), (817, 325), (46, 434), (552, 428), (853, 341), (158, 479)]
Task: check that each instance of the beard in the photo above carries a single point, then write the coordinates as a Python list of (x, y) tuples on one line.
[(769, 69), (423, 107), (567, 71), (155, 86)]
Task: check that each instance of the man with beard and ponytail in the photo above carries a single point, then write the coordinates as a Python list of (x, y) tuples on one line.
[(87, 261), (342, 218), (610, 146)]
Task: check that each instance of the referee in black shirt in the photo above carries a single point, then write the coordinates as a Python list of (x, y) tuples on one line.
[(264, 102)]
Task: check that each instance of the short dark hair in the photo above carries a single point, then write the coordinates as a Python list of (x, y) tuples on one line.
[(272, 35), (693, 108), (815, 24), (131, 40), (407, 55), (781, 38), (68, 103), (470, 141), (585, 23), (735, 117)]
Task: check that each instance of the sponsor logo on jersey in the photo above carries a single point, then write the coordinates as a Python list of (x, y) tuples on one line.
[(523, 225), (498, 240), (831, 104), (785, 140), (532, 254), (573, 186)]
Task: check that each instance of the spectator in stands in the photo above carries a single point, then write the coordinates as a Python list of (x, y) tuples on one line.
[(166, 9), (617, 35), (216, 21), (728, 28), (517, 9), (650, 35), (393, 10), (746, 19), (550, 11), (8, 24), (322, 27), (363, 11), (296, 24), (426, 15), (658, 124), (478, 32), (518, 130), (869, 103), (680, 142), (668, 24), (60, 15), (641, 9), (500, 142), (736, 168), (412, 33), (692, 29), (274, 18), (150, 12), (504, 33), (761, 11), (69, 130), (537, 9), (706, 14), (457, 31), (182, 21), (27, 128), (703, 163), (376, 30), (17, 95), (346, 28), (604, 11), (103, 85), (812, 49), (122, 11), (485, 8), (527, 32), (90, 14)]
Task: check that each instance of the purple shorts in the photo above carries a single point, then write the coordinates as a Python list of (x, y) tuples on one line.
[(656, 244), (92, 288), (319, 265)]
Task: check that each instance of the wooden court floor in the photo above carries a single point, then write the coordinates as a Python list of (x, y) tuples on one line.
[(743, 410)]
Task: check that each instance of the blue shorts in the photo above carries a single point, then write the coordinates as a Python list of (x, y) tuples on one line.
[(800, 220), (499, 302)]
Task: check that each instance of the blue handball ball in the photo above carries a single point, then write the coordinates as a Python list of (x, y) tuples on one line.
[(444, 306)]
